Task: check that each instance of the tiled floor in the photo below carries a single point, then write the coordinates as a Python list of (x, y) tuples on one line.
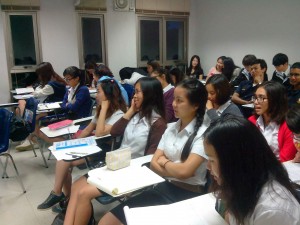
[(17, 208)]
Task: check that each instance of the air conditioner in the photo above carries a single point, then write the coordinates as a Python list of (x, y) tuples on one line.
[(124, 5)]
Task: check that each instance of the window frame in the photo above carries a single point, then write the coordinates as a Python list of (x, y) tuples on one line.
[(100, 16), (163, 34), (23, 68)]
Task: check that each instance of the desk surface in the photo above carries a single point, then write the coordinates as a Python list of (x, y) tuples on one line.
[(60, 132), (5, 105), (195, 211)]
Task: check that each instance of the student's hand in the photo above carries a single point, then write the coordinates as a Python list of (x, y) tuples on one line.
[(297, 157), (105, 104), (133, 106), (162, 160), (209, 105)]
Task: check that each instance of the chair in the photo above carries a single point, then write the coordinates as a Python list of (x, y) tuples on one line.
[(5, 118), (30, 116)]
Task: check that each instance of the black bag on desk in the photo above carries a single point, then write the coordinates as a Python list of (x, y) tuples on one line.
[(19, 128)]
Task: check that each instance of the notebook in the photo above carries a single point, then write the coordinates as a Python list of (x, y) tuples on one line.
[(60, 124)]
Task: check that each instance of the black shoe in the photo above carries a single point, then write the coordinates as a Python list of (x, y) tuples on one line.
[(61, 207), (59, 219), (51, 201)]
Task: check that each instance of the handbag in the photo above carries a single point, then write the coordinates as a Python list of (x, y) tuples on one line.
[(118, 159), (19, 128)]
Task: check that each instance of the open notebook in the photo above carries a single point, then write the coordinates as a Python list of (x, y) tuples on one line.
[(126, 180)]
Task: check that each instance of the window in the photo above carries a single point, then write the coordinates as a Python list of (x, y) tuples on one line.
[(92, 45), (23, 40), (163, 39)]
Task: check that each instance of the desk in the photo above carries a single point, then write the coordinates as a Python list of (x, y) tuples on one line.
[(22, 97), (6, 105), (60, 132), (195, 211), (293, 170)]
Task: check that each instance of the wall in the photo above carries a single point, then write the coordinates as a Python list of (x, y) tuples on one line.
[(259, 27)]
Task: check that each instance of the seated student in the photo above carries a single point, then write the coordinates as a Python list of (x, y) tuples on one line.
[(252, 182), (179, 157), (142, 127), (281, 63), (90, 67), (111, 108), (230, 70), (168, 90), (219, 102), (77, 101), (245, 73), (152, 65), (52, 88), (243, 94), (218, 68), (195, 70), (270, 106), (176, 76), (293, 123), (293, 91)]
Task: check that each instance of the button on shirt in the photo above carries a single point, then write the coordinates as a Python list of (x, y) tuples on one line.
[(172, 143), (270, 133)]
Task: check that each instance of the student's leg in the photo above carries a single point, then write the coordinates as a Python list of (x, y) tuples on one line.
[(22, 104), (109, 219), (79, 209)]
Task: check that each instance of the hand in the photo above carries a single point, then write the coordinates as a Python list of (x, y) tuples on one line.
[(105, 105), (209, 104), (133, 106), (162, 160), (297, 158)]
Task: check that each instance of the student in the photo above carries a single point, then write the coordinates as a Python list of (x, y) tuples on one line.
[(168, 91), (252, 182), (217, 69), (245, 73), (152, 65), (230, 70), (293, 123), (111, 108), (77, 101), (243, 94), (52, 88), (281, 63), (270, 106), (195, 70), (179, 157), (142, 126), (90, 67), (176, 76), (219, 102), (293, 91)]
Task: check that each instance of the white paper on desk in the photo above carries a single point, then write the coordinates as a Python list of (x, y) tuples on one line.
[(293, 170), (251, 105), (18, 97), (47, 106), (60, 132), (126, 180), (195, 211), (74, 143), (61, 154), (24, 90)]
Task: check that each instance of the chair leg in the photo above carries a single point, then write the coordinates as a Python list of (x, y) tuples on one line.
[(42, 153), (18, 176), (4, 175), (40, 148), (49, 156)]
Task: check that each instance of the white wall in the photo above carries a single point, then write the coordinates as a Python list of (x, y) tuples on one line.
[(58, 28), (238, 27), (121, 39)]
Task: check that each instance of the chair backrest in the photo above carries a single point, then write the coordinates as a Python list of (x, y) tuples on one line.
[(30, 112), (5, 118), (93, 103)]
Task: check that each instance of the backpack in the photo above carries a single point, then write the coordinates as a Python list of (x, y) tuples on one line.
[(20, 128)]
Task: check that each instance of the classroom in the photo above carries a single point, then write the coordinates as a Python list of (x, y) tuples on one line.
[(206, 28)]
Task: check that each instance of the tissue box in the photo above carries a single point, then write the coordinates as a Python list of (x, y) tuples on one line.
[(118, 159)]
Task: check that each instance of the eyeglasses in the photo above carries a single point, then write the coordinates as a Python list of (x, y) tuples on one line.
[(259, 99), (296, 75), (68, 79)]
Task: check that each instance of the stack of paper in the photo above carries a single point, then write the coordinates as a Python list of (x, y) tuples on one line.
[(126, 180)]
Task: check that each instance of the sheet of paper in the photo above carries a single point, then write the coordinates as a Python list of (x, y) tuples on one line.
[(71, 153), (293, 170), (74, 143), (18, 97), (47, 106), (20, 91)]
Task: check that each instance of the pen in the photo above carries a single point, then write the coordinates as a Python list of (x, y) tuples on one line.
[(78, 153)]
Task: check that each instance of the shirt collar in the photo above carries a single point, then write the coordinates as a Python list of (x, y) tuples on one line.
[(261, 125), (221, 109), (167, 88), (189, 129)]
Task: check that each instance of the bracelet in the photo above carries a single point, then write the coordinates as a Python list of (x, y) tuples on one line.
[(164, 166)]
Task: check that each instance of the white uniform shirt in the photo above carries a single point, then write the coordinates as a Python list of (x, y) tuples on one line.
[(71, 93), (270, 133), (173, 141), (42, 93), (167, 88), (276, 206), (112, 119), (136, 134)]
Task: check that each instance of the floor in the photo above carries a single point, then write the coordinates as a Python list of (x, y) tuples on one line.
[(18, 208)]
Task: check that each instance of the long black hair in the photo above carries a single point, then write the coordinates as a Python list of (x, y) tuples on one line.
[(197, 95), (153, 98), (246, 164), (74, 72)]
